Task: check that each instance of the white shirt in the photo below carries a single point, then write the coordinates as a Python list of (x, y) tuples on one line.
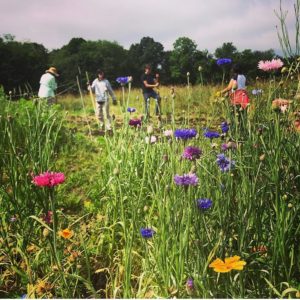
[(47, 86), (241, 82), (102, 88)]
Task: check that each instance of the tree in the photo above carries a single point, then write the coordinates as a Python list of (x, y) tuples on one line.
[(21, 65), (146, 52), (184, 59)]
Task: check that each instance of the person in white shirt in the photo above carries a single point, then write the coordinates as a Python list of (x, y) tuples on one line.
[(102, 89), (48, 85)]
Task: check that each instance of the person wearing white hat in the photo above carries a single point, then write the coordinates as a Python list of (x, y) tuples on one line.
[(48, 85)]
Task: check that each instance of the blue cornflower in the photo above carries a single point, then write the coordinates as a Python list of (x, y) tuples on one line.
[(131, 109), (186, 179), (123, 80), (225, 163), (185, 133), (211, 134), (224, 61), (204, 203), (224, 127), (147, 233)]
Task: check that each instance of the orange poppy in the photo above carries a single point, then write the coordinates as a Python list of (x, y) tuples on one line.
[(66, 233), (230, 263)]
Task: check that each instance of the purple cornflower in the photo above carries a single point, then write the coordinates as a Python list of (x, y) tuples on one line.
[(190, 285), (224, 147), (131, 109), (224, 61), (224, 127), (211, 134), (191, 153), (224, 163), (186, 179), (204, 203), (124, 80), (185, 133), (47, 218), (147, 233), (135, 122)]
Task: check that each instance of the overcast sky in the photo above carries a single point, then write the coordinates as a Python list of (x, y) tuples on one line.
[(249, 24)]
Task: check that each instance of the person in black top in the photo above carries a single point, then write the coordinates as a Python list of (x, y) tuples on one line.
[(148, 85)]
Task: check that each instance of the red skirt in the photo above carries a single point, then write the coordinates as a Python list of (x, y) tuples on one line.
[(239, 97)]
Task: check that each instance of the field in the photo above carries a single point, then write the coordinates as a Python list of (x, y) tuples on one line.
[(137, 212)]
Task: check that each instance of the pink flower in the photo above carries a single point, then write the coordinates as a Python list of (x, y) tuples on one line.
[(268, 65), (150, 140), (168, 132), (49, 179)]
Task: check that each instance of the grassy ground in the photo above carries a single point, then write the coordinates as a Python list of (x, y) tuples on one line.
[(117, 183)]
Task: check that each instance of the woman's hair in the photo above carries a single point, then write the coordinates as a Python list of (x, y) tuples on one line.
[(236, 69)]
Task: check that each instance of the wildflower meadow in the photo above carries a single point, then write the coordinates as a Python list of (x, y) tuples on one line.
[(201, 201)]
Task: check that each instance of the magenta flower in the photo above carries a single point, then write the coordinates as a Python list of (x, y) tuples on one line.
[(49, 179), (47, 218), (268, 65), (192, 153), (135, 122), (186, 179)]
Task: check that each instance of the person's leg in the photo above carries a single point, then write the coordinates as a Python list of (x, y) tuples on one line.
[(157, 102), (147, 104), (99, 108), (108, 117)]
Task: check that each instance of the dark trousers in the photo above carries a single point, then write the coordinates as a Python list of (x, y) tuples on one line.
[(157, 99)]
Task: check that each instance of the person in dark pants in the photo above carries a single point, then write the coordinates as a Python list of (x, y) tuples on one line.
[(148, 85)]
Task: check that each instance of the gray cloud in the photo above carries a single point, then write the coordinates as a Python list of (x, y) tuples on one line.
[(248, 24)]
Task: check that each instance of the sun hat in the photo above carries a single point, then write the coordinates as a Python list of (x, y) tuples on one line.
[(53, 71)]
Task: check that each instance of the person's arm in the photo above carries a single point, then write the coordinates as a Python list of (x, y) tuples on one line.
[(147, 85), (111, 92), (53, 84), (231, 85), (91, 87)]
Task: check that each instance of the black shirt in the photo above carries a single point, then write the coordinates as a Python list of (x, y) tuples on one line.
[(150, 80)]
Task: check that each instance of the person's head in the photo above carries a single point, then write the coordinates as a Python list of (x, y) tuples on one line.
[(52, 71), (147, 69), (236, 69), (100, 74)]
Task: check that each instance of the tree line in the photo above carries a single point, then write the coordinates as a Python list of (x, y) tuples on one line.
[(22, 63)]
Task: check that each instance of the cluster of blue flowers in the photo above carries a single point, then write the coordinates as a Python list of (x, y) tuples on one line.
[(224, 61), (123, 80), (185, 134)]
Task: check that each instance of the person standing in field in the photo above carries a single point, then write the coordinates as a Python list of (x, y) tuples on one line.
[(48, 85), (148, 84), (237, 88), (239, 100), (102, 89)]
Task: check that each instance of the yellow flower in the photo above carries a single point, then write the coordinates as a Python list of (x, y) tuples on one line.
[(230, 263), (218, 94), (66, 233)]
